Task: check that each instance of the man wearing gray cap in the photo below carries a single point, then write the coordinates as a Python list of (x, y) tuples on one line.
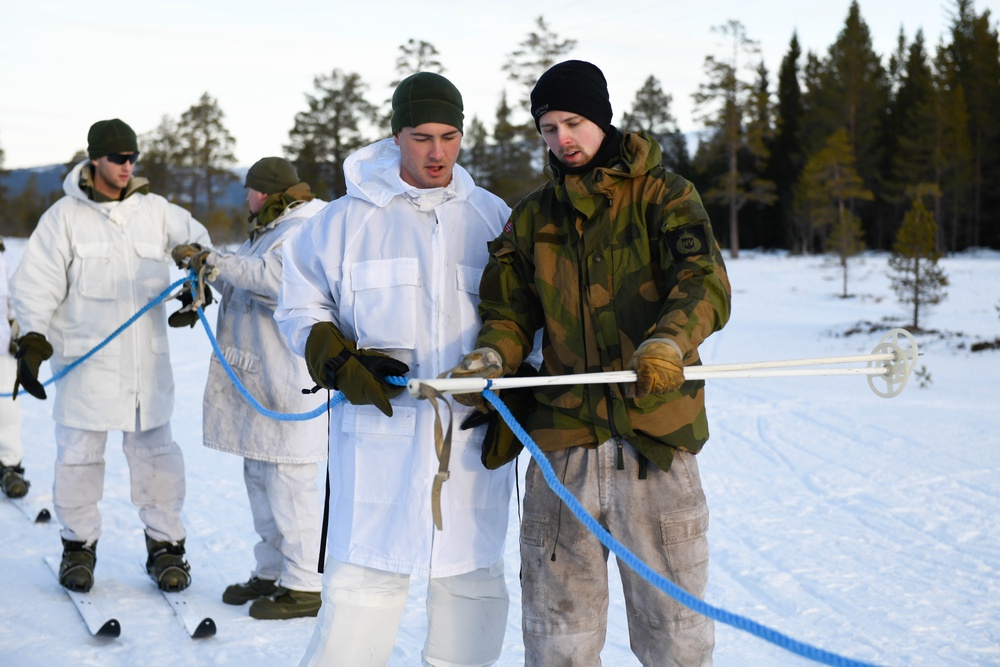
[(280, 458), (383, 283), (98, 256)]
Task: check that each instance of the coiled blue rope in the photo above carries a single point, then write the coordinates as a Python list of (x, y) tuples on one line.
[(650, 575)]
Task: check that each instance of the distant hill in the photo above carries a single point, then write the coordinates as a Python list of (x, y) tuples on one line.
[(49, 179)]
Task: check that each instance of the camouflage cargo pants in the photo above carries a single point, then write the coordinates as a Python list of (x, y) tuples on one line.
[(663, 520)]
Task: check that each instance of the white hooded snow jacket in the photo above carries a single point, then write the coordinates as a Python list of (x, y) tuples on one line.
[(7, 305), (259, 356), (397, 269), (87, 268)]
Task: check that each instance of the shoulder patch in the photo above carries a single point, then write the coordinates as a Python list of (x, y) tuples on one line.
[(687, 241), (507, 228)]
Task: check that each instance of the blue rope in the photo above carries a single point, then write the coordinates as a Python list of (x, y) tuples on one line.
[(336, 398), (626, 556), (142, 311), (650, 575)]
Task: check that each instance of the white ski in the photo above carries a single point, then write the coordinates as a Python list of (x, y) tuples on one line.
[(197, 627), (99, 624), (33, 508)]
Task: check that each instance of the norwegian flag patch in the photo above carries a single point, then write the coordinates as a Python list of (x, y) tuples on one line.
[(508, 227)]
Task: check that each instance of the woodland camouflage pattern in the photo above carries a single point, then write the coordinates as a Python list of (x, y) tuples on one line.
[(604, 260)]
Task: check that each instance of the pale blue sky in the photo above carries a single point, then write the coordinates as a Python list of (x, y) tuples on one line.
[(65, 63)]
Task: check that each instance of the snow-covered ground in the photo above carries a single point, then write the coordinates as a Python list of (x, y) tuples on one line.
[(862, 525)]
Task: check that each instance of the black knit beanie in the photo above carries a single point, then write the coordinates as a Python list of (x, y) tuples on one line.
[(426, 97), (270, 175), (110, 136), (575, 86)]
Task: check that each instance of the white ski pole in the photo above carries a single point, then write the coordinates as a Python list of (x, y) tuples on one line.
[(889, 362)]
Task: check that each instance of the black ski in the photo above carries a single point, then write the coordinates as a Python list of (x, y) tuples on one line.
[(99, 624)]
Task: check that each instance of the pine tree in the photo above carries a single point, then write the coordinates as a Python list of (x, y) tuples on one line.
[(786, 160), (511, 173), (726, 102), (537, 53), (913, 270), (651, 114), (329, 131), (849, 90), (414, 56), (205, 154), (829, 184), (913, 142), (477, 153), (974, 64), (161, 159)]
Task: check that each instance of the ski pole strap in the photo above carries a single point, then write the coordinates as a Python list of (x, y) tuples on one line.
[(442, 446)]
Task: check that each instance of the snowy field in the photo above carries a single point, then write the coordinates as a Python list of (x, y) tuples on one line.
[(862, 525)]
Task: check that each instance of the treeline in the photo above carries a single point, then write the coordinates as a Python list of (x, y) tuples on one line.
[(829, 155)]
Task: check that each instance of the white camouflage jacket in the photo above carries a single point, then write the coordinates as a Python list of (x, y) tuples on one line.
[(397, 269), (259, 356), (87, 268)]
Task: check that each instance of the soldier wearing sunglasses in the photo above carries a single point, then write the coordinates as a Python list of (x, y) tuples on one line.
[(97, 256)]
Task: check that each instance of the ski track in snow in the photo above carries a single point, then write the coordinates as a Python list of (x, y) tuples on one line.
[(862, 525)]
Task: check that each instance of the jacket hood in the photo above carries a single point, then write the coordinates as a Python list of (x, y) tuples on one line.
[(372, 175), (638, 154), (71, 184)]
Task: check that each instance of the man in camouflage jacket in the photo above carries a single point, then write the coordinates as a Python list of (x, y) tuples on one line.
[(615, 260)]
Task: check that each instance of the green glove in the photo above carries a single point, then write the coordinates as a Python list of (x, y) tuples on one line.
[(186, 316), (32, 350), (334, 362), (500, 445)]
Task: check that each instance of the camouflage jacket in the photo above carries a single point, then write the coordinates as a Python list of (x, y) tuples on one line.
[(602, 261)]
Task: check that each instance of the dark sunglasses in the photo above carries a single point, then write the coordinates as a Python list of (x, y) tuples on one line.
[(121, 158)]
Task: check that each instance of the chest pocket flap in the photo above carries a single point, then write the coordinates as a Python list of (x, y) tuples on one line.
[(386, 293)]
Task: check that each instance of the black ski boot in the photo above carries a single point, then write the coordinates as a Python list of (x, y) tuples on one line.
[(251, 590), (166, 565), (76, 571), (13, 482)]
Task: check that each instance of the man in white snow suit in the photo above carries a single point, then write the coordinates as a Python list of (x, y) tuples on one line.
[(384, 283), (12, 480), (280, 458), (98, 256), (615, 259)]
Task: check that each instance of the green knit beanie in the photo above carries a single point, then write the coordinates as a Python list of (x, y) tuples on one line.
[(426, 97), (110, 136), (270, 175)]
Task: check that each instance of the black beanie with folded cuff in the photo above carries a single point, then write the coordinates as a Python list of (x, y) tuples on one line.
[(575, 86)]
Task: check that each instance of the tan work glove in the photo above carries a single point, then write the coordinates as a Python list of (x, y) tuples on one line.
[(191, 256), (483, 362), (658, 368)]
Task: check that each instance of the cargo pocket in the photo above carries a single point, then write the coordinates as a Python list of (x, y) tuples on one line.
[(683, 535), (379, 440), (97, 272), (385, 303)]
